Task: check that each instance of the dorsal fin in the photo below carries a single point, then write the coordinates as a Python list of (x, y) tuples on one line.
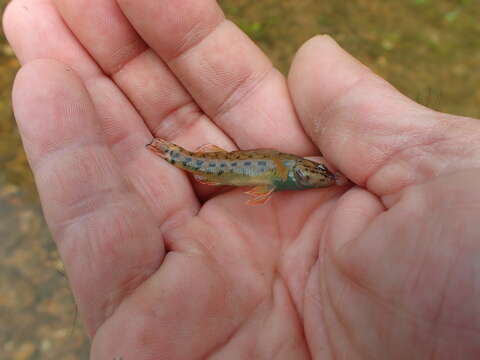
[(209, 148)]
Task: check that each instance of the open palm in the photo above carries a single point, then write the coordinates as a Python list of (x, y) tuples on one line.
[(165, 269)]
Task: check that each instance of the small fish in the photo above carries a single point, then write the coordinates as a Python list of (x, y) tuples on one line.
[(266, 170)]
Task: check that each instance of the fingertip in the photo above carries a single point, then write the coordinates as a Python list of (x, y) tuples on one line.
[(322, 53), (9, 17), (321, 67), (41, 80), (51, 106)]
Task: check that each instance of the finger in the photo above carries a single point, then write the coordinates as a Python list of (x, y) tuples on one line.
[(376, 136), (227, 75), (160, 99), (97, 220), (35, 31), (125, 130)]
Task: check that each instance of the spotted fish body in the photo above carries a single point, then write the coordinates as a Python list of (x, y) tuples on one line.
[(267, 170)]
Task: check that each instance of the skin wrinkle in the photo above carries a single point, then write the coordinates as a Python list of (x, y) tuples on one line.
[(249, 82), (119, 56), (244, 89), (155, 191), (55, 149), (70, 253), (316, 299), (129, 284), (125, 55), (320, 120), (182, 123), (88, 207), (44, 171), (437, 318), (341, 320), (324, 289), (313, 261), (120, 136), (394, 308), (193, 37), (239, 231), (298, 318), (92, 70), (425, 251), (184, 51), (241, 324), (235, 331), (172, 220), (390, 158)]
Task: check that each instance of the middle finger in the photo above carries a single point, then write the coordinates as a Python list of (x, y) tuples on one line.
[(228, 76)]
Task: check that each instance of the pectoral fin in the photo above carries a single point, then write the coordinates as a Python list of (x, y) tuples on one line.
[(260, 194), (209, 148)]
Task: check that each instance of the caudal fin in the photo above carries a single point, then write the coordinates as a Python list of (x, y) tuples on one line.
[(161, 147)]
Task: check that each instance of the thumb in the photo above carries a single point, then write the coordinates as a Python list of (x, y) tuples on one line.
[(376, 136)]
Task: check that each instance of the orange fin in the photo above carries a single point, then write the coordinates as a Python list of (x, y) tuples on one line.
[(203, 180), (282, 170), (260, 194), (160, 146), (209, 148)]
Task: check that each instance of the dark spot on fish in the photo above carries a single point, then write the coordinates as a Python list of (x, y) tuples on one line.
[(247, 163), (233, 164), (262, 163), (212, 164), (200, 162), (220, 172), (188, 159), (175, 155), (172, 161), (223, 165)]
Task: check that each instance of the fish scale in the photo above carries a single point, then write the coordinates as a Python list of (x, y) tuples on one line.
[(267, 170)]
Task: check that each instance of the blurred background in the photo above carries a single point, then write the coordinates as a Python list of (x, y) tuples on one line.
[(428, 49)]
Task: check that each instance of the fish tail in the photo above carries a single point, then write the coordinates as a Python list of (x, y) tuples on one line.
[(163, 148)]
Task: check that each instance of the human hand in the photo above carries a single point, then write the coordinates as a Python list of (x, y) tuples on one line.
[(385, 269)]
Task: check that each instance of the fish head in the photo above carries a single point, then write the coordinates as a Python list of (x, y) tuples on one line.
[(310, 174)]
